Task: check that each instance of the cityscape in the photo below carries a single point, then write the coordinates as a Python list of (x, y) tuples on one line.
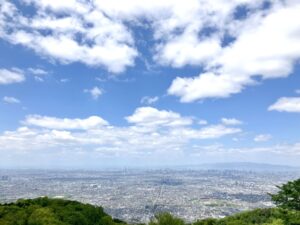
[(137, 195)]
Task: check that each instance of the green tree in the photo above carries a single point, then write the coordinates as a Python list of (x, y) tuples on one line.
[(288, 196), (166, 219), (43, 216), (275, 222), (107, 220), (209, 221)]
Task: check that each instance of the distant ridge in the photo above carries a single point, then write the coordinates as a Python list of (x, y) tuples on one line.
[(243, 166)]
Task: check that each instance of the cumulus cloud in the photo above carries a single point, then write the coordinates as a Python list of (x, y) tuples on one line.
[(262, 137), (233, 52), (216, 131), (264, 45), (187, 49), (149, 130), (261, 44), (231, 121), (95, 92), (65, 123), (207, 85), (11, 100), (149, 100), (11, 76), (286, 104), (84, 34), (208, 132), (149, 116)]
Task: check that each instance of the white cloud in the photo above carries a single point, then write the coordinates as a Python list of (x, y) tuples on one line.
[(37, 71), (280, 149), (100, 79), (84, 34), (202, 122), (262, 137), (207, 85), (39, 79), (286, 104), (265, 45), (11, 100), (11, 76), (187, 49), (149, 131), (297, 91), (231, 121), (60, 6), (216, 131), (118, 141), (191, 34), (64, 80), (148, 116), (95, 92), (270, 152), (65, 123), (97, 32), (149, 100), (208, 132)]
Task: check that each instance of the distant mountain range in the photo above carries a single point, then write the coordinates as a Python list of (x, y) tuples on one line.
[(243, 166), (239, 166)]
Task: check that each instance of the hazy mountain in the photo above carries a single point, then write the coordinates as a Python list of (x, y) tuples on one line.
[(249, 166)]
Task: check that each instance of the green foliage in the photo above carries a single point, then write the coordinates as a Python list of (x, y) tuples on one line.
[(275, 222), (288, 196), (209, 221), (43, 216), (45, 211), (271, 216), (166, 219)]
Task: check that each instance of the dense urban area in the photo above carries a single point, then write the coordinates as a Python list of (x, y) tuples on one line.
[(137, 195)]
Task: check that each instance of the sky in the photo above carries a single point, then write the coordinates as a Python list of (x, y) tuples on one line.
[(140, 83)]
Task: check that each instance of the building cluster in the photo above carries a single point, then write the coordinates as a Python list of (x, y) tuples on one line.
[(137, 195)]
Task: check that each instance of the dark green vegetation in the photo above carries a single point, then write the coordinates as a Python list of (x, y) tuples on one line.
[(288, 196), (45, 211), (273, 216)]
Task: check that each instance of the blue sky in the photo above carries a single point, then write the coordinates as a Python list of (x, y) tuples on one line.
[(93, 84)]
